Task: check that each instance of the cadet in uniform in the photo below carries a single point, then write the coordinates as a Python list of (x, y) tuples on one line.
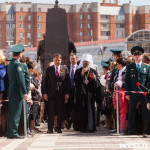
[(17, 91), (40, 52), (136, 72), (116, 55)]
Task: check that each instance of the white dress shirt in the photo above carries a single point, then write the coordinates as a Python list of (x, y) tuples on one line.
[(120, 73), (75, 66)]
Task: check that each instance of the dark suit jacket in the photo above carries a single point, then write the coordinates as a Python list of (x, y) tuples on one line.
[(133, 76), (51, 82), (69, 69)]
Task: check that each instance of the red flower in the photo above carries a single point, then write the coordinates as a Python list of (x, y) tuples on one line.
[(144, 93), (138, 83), (90, 75)]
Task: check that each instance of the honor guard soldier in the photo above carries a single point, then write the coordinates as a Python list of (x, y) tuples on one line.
[(17, 91), (115, 54), (136, 72)]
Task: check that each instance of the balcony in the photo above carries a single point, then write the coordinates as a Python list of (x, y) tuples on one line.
[(104, 20), (105, 28)]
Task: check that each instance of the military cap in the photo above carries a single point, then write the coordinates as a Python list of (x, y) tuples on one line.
[(137, 50), (9, 59), (17, 48), (111, 59), (116, 51), (104, 63)]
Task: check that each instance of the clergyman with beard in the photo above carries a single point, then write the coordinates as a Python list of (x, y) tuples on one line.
[(86, 81)]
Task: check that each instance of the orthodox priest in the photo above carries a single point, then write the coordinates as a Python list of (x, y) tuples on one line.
[(86, 83)]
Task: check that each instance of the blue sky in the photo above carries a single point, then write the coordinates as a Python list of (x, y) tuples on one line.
[(134, 2)]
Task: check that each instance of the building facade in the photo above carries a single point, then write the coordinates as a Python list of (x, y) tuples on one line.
[(26, 22)]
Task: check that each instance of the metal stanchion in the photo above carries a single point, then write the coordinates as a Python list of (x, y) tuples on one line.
[(25, 117), (117, 107)]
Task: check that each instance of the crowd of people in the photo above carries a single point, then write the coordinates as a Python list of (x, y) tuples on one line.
[(75, 95)]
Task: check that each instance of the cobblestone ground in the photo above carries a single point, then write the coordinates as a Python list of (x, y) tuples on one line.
[(70, 140)]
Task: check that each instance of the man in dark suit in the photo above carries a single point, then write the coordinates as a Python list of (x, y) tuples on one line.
[(136, 72), (56, 91), (70, 105)]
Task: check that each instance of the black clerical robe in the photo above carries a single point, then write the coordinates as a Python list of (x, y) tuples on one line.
[(86, 94)]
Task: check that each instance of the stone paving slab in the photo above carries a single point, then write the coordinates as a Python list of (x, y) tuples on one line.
[(70, 140)]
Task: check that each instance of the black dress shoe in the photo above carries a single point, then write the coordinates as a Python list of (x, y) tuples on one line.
[(50, 131), (16, 137), (55, 129), (59, 131)]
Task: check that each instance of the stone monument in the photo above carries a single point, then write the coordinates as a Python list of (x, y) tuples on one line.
[(56, 35)]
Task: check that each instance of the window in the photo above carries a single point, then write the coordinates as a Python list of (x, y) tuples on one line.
[(21, 26), (105, 33), (39, 26), (81, 33), (29, 26), (29, 17), (13, 25), (119, 25), (149, 18), (89, 25), (122, 33), (21, 17), (81, 25), (89, 33), (149, 26), (29, 35), (21, 35), (136, 18), (81, 16), (104, 25), (120, 18), (136, 26), (29, 43), (39, 17), (39, 35), (89, 17), (81, 40)]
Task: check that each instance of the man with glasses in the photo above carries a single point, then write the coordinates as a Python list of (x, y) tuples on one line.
[(136, 72)]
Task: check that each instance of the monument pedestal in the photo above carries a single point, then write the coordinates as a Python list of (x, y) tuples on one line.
[(56, 36)]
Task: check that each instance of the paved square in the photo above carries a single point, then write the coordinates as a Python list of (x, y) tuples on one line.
[(70, 140)]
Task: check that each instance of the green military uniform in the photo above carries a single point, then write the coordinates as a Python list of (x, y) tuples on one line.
[(110, 86), (134, 75), (17, 90), (27, 81), (40, 52)]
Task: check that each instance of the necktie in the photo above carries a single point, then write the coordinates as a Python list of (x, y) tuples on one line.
[(138, 67), (72, 76), (57, 73)]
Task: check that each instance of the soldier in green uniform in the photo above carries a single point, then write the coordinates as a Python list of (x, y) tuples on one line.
[(17, 91), (116, 54), (40, 52), (136, 72)]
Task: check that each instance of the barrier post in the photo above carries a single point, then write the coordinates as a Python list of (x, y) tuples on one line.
[(117, 107), (25, 117)]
